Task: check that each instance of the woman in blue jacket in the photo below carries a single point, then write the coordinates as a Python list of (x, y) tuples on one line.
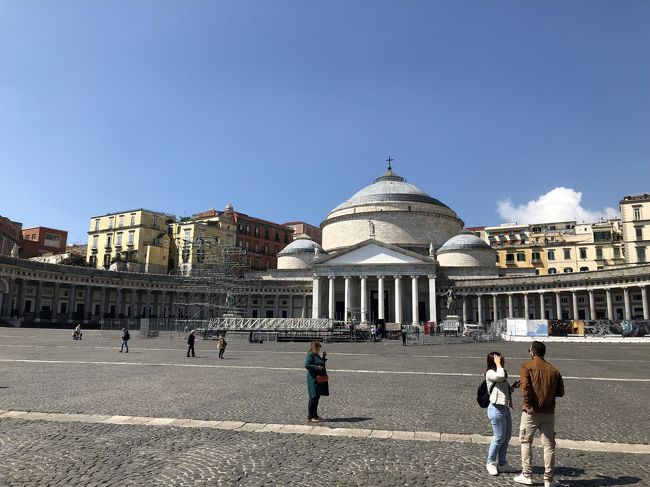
[(315, 365)]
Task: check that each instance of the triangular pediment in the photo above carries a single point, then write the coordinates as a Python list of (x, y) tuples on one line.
[(373, 253)]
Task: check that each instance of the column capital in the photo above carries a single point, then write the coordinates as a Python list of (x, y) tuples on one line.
[(363, 277), (381, 277), (431, 276), (415, 277), (331, 278), (397, 277)]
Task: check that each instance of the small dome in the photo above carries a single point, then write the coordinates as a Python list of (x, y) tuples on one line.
[(301, 245), (463, 241), (389, 188)]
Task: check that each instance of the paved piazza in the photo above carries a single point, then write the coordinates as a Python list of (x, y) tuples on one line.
[(80, 413)]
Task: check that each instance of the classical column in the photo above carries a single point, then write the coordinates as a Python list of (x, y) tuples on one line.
[(303, 311), (465, 299), (592, 305), (72, 302), (542, 315), (644, 298), (414, 301), (21, 298), (380, 299), (163, 302), (479, 303), (276, 309), (610, 308), (290, 314), (315, 299), (118, 302), (626, 300), (574, 301), (134, 303), (55, 301), (433, 305), (331, 298), (364, 300), (87, 303), (525, 298), (510, 311), (148, 310), (346, 307), (37, 301), (558, 305), (102, 303), (398, 299), (495, 308)]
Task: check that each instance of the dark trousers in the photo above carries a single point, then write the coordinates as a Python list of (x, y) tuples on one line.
[(190, 348), (221, 350), (312, 408)]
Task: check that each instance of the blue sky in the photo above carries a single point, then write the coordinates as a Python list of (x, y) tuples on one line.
[(287, 108)]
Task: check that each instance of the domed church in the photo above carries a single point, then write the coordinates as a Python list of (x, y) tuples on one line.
[(386, 251)]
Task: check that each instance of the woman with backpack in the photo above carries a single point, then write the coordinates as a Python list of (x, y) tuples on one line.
[(221, 345), (498, 412)]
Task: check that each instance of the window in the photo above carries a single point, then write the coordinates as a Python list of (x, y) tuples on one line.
[(584, 269), (132, 219), (186, 234), (95, 239), (639, 233), (155, 221), (567, 254), (637, 213), (497, 257), (640, 254), (521, 257), (599, 252), (109, 240), (552, 270), (537, 257), (550, 255), (110, 222), (617, 252), (93, 260), (266, 250), (121, 221), (568, 269), (97, 225), (257, 231), (583, 253), (131, 237), (185, 254), (107, 260), (118, 241), (266, 234), (510, 258)]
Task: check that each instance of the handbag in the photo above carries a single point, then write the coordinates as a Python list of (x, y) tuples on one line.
[(322, 379)]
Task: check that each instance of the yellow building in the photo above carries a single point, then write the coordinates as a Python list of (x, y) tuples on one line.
[(635, 219), (554, 248), (134, 241), (200, 240)]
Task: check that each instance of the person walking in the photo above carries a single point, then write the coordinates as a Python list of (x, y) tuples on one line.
[(190, 343), (373, 333), (221, 345), (403, 336), (76, 335), (541, 383), (317, 380), (498, 412), (125, 340)]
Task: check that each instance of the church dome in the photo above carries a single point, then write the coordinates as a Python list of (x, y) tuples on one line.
[(302, 244), (466, 250), (391, 211), (299, 254), (389, 188)]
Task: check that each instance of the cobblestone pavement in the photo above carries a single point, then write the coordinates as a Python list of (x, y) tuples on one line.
[(378, 386)]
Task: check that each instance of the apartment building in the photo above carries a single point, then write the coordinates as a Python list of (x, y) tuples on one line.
[(635, 221)]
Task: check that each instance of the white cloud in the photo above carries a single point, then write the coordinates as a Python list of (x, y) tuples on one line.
[(559, 204)]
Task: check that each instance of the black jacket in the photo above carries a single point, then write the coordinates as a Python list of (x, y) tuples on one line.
[(190, 339)]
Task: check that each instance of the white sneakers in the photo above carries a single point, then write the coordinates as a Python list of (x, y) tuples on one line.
[(506, 468), (522, 479), (492, 468)]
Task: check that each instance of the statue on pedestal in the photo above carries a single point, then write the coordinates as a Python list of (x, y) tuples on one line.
[(451, 301), (14, 251)]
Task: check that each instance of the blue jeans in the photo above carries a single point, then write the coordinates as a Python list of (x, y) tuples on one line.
[(124, 344), (501, 432)]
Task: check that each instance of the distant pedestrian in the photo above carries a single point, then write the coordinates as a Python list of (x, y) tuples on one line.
[(76, 335), (373, 333), (125, 340), (317, 380), (403, 336), (221, 345), (190, 343), (541, 383), (498, 412)]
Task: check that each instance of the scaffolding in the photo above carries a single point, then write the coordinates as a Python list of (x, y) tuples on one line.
[(211, 282)]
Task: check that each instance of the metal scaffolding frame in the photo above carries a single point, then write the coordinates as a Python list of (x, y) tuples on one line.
[(211, 281)]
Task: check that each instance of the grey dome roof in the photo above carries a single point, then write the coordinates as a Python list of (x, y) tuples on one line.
[(389, 188), (301, 245), (464, 241)]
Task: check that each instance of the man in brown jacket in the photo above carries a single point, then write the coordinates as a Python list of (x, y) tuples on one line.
[(541, 383)]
